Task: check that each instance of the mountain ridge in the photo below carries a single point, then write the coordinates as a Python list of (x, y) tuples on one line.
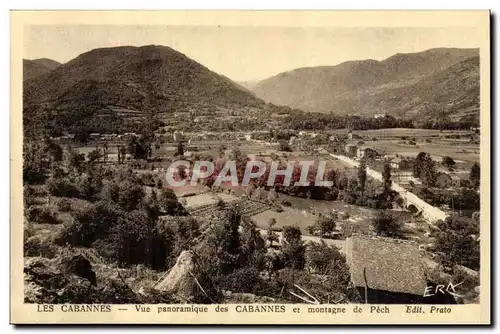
[(35, 67), (141, 79), (330, 88)]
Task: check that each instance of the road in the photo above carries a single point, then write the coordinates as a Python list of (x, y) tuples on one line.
[(429, 212)]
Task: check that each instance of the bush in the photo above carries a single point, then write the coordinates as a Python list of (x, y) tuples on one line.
[(128, 238), (89, 224), (293, 248), (38, 246), (242, 280), (385, 225), (62, 188), (283, 146), (327, 260), (457, 242), (324, 225), (448, 162), (111, 192), (322, 287), (170, 205), (90, 186), (130, 196), (64, 205), (42, 215), (332, 195)]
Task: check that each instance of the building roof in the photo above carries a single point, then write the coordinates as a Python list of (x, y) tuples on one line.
[(391, 264)]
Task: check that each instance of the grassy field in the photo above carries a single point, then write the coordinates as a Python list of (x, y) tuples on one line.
[(400, 132)]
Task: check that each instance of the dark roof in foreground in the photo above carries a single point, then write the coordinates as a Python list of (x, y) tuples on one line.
[(391, 264)]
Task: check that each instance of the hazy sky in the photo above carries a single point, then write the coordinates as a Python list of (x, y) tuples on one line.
[(247, 53)]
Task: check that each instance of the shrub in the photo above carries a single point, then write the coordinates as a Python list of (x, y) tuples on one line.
[(130, 196), (38, 246), (89, 224), (62, 188), (111, 192), (327, 260), (242, 280), (456, 242), (42, 215), (332, 194), (89, 186), (169, 203), (323, 226), (283, 145), (129, 238), (64, 205), (293, 247), (323, 288), (385, 225), (448, 162)]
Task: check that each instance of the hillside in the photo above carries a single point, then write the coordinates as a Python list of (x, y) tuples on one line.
[(151, 78), (402, 85), (36, 67)]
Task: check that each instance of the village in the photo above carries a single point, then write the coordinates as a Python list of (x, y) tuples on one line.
[(412, 254)]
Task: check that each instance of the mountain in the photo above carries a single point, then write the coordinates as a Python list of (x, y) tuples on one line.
[(130, 80), (36, 67), (402, 85), (249, 84)]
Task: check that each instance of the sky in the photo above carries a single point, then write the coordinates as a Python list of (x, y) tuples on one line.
[(247, 53)]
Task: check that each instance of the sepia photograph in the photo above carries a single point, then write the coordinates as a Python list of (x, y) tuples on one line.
[(260, 166)]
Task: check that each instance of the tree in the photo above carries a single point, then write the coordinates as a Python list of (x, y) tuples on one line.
[(75, 159), (293, 248), (327, 260), (252, 244), (417, 165), (362, 174), (385, 225), (122, 153), (284, 146), (325, 225), (55, 150), (94, 155), (140, 147), (475, 175), (180, 149), (386, 176), (448, 162), (223, 241), (425, 169), (105, 151), (170, 204), (457, 242), (271, 235), (35, 164), (131, 195)]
